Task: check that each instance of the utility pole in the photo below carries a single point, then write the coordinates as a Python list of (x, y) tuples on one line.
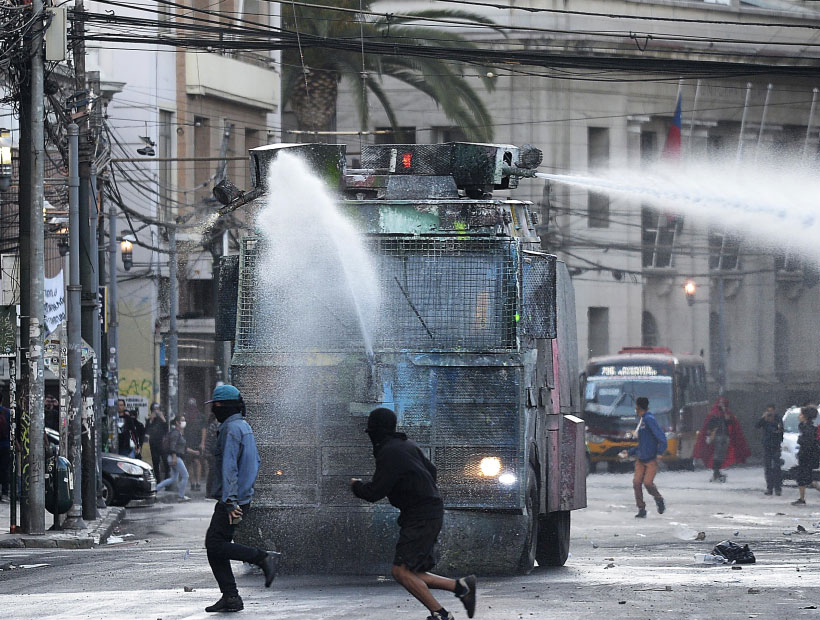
[(92, 282), (74, 519), (33, 457), (113, 323), (173, 294), (88, 274)]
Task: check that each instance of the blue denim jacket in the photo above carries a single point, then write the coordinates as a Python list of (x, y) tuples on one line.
[(651, 439), (237, 462)]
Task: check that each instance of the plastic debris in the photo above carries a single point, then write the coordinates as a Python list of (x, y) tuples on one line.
[(800, 528), (734, 552), (189, 589), (610, 565), (736, 567), (701, 536), (753, 591), (708, 558)]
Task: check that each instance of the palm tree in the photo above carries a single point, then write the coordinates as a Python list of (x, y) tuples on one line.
[(312, 92)]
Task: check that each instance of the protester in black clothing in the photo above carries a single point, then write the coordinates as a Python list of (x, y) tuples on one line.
[(51, 412), (808, 455), (408, 480), (126, 431), (156, 429), (772, 437)]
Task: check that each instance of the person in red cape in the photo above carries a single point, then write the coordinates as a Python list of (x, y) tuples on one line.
[(721, 442)]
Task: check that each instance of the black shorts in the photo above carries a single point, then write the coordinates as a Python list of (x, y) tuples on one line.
[(803, 474), (416, 548)]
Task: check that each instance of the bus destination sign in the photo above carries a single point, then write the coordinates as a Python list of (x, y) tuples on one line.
[(624, 370)]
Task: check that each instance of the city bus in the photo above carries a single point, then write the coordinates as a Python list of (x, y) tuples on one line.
[(675, 386)]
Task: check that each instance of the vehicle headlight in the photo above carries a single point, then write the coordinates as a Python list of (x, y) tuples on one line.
[(595, 439), (130, 469), (507, 479), (490, 466)]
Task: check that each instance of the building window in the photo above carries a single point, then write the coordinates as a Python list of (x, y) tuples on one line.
[(448, 134), (649, 330), (658, 233), (196, 299), (597, 158), (649, 147), (400, 135), (788, 262), (598, 333), (724, 251), (165, 152), (164, 16), (202, 148)]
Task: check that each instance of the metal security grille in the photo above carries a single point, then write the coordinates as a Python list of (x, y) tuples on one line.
[(419, 159), (461, 482), (538, 312), (437, 294), (246, 332), (447, 294)]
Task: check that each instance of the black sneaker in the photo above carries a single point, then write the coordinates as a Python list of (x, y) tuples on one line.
[(438, 616), (768, 492), (468, 598), (226, 604), (799, 502), (661, 506), (641, 513), (269, 566)]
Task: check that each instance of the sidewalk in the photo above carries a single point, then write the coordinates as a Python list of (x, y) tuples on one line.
[(96, 532)]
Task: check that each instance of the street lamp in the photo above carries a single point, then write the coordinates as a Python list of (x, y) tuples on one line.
[(126, 248), (690, 288), (5, 159)]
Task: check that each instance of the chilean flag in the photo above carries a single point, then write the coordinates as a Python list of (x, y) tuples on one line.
[(671, 149)]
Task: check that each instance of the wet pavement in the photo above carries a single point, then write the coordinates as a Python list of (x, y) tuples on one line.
[(620, 567)]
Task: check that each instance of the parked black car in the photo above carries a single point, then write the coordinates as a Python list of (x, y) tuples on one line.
[(124, 479)]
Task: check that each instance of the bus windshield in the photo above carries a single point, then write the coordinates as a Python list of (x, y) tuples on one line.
[(616, 397)]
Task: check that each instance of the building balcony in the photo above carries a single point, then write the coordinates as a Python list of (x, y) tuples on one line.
[(232, 79)]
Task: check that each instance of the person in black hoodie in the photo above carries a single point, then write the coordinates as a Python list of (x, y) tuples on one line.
[(808, 455), (408, 480)]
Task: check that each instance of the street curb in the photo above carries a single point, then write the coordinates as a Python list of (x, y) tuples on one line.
[(97, 533)]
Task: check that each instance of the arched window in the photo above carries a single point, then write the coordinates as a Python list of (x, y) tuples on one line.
[(649, 330)]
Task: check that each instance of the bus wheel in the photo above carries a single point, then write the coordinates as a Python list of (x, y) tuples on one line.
[(528, 552), (553, 539)]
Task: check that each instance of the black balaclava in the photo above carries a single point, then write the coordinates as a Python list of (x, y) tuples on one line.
[(381, 425), (227, 408)]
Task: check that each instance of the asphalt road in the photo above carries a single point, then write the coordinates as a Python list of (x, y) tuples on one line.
[(620, 567)]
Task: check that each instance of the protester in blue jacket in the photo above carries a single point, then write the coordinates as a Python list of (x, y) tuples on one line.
[(651, 444), (235, 469)]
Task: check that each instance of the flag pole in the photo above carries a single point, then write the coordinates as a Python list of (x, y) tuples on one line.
[(808, 125), (763, 121), (692, 119)]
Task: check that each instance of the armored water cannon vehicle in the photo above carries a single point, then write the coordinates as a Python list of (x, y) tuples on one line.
[(474, 349)]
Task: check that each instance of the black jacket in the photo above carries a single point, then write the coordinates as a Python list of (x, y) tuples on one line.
[(808, 453), (772, 433), (407, 478)]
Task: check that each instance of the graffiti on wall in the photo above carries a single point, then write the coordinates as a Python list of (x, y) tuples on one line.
[(137, 389)]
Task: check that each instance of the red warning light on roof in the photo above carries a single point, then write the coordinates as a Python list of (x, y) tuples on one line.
[(407, 160)]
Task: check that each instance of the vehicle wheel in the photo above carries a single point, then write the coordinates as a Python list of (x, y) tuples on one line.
[(528, 552), (107, 493), (553, 539)]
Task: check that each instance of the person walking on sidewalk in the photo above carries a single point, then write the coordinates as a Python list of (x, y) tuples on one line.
[(175, 446), (772, 428), (408, 480), (235, 469), (808, 455), (651, 444), (721, 442)]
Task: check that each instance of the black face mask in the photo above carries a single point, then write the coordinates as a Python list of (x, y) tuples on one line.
[(222, 413)]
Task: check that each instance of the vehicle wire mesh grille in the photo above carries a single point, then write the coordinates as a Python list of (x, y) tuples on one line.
[(438, 294), (417, 159), (538, 310), (447, 294)]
